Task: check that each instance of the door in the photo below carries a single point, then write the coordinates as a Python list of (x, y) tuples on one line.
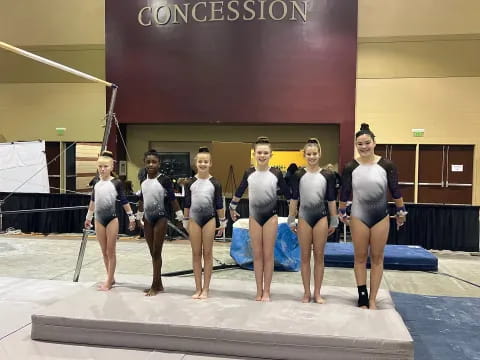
[(445, 174), (459, 174)]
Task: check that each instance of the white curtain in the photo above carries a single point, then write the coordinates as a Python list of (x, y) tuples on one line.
[(23, 163)]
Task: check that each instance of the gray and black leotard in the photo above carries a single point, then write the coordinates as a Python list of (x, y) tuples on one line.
[(262, 192), (203, 197), (105, 194), (154, 191), (369, 184), (313, 189)]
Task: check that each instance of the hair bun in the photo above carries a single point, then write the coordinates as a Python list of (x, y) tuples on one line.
[(107, 153), (203, 149), (364, 126), (262, 140), (313, 141)]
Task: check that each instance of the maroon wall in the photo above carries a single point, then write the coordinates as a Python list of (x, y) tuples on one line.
[(258, 71)]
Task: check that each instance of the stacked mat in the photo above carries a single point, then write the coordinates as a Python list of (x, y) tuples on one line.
[(287, 252), (229, 323)]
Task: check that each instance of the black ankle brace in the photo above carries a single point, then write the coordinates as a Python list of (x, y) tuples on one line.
[(362, 295)]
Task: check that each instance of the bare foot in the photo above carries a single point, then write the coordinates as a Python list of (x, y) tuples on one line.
[(372, 305), (105, 286), (157, 290), (204, 294), (152, 291), (306, 298), (319, 300), (364, 307), (265, 297), (197, 294), (259, 295)]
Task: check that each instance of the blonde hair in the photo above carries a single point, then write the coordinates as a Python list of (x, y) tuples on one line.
[(107, 156)]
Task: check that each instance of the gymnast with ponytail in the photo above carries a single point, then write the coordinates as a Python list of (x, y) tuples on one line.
[(262, 182), (313, 187), (368, 178), (152, 214), (107, 190), (203, 203)]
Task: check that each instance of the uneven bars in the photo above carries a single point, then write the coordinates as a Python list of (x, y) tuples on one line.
[(53, 64)]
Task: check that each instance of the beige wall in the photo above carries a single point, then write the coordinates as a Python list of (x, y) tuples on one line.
[(418, 68), (418, 59), (34, 98), (407, 18), (52, 22), (33, 111), (428, 84)]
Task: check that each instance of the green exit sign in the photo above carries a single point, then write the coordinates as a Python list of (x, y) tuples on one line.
[(418, 132)]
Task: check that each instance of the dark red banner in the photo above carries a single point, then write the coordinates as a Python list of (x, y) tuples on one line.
[(251, 61)]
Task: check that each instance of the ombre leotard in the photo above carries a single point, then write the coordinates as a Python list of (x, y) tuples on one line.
[(105, 194), (203, 197), (369, 184), (312, 189), (262, 192), (153, 193)]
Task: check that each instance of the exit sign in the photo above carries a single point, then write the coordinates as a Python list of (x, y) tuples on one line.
[(418, 132)]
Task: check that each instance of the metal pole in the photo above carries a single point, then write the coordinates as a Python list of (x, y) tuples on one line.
[(63, 167), (109, 121), (51, 63), (1, 216), (106, 134), (224, 236), (190, 271), (81, 254), (170, 224)]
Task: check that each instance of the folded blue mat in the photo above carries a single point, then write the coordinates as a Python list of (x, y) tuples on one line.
[(287, 253), (397, 257)]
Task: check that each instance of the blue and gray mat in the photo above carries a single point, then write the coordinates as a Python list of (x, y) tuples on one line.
[(442, 327)]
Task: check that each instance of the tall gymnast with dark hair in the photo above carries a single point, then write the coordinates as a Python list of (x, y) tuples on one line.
[(155, 188), (369, 177), (203, 201), (313, 187), (107, 190), (262, 182)]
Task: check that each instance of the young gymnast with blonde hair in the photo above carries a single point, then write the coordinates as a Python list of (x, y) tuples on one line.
[(203, 201), (106, 192)]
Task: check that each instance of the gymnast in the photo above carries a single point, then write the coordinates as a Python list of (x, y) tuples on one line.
[(262, 182), (153, 216), (313, 187), (203, 200), (369, 177), (105, 193)]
